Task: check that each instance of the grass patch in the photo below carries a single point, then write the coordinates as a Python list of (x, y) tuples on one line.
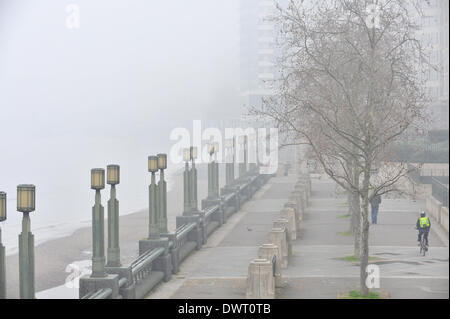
[(344, 216), (355, 294), (356, 259), (345, 233)]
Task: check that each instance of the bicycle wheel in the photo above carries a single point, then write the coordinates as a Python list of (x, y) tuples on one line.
[(422, 247)]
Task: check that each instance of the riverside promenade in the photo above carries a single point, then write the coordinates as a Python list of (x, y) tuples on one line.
[(318, 267)]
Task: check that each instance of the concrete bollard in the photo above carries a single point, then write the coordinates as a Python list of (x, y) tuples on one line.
[(269, 251), (303, 194), (302, 200), (306, 180), (260, 280), (304, 183), (298, 214), (297, 196), (278, 237), (284, 224), (289, 214)]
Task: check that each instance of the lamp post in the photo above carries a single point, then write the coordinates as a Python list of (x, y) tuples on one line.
[(162, 191), (153, 230), (229, 166), (113, 254), (2, 248), (216, 171), (193, 178), (26, 195), (98, 225), (243, 157), (211, 171), (186, 180), (252, 149)]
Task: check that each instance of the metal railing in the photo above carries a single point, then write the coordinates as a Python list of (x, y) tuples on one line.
[(425, 176), (439, 191), (99, 294), (141, 268), (180, 240)]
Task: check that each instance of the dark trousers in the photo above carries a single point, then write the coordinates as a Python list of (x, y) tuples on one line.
[(374, 214), (423, 232)]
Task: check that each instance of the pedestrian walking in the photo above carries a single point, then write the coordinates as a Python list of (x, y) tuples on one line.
[(375, 205)]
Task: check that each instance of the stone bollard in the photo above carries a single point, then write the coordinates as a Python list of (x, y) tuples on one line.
[(304, 193), (306, 181), (302, 196), (260, 280), (278, 237), (289, 214), (298, 213), (297, 198), (270, 252), (284, 224), (297, 195)]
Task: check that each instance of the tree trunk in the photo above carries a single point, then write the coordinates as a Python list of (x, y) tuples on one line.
[(364, 260), (364, 249), (356, 214), (350, 210), (356, 223)]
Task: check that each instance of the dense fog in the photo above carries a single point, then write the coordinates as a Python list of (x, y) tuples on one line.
[(108, 92)]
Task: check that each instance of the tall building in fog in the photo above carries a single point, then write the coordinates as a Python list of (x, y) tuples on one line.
[(258, 50), (434, 37)]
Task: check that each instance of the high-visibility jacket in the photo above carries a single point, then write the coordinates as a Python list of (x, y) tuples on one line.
[(424, 222)]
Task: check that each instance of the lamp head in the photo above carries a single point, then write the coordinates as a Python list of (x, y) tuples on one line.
[(26, 198), (211, 149), (229, 142), (162, 161), (113, 174), (97, 178), (2, 206), (153, 164), (186, 154), (193, 150), (216, 147)]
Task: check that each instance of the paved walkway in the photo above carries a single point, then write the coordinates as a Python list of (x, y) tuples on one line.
[(219, 269), (318, 268)]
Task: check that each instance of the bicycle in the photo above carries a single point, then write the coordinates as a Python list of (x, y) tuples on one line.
[(423, 246)]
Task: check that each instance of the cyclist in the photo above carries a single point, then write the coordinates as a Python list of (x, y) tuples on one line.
[(423, 225)]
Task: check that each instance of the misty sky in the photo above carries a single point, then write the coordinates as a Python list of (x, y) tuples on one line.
[(109, 92)]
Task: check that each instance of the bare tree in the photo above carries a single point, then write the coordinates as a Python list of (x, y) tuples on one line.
[(350, 86)]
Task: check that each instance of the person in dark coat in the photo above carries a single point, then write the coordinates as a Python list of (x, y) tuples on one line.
[(374, 205)]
